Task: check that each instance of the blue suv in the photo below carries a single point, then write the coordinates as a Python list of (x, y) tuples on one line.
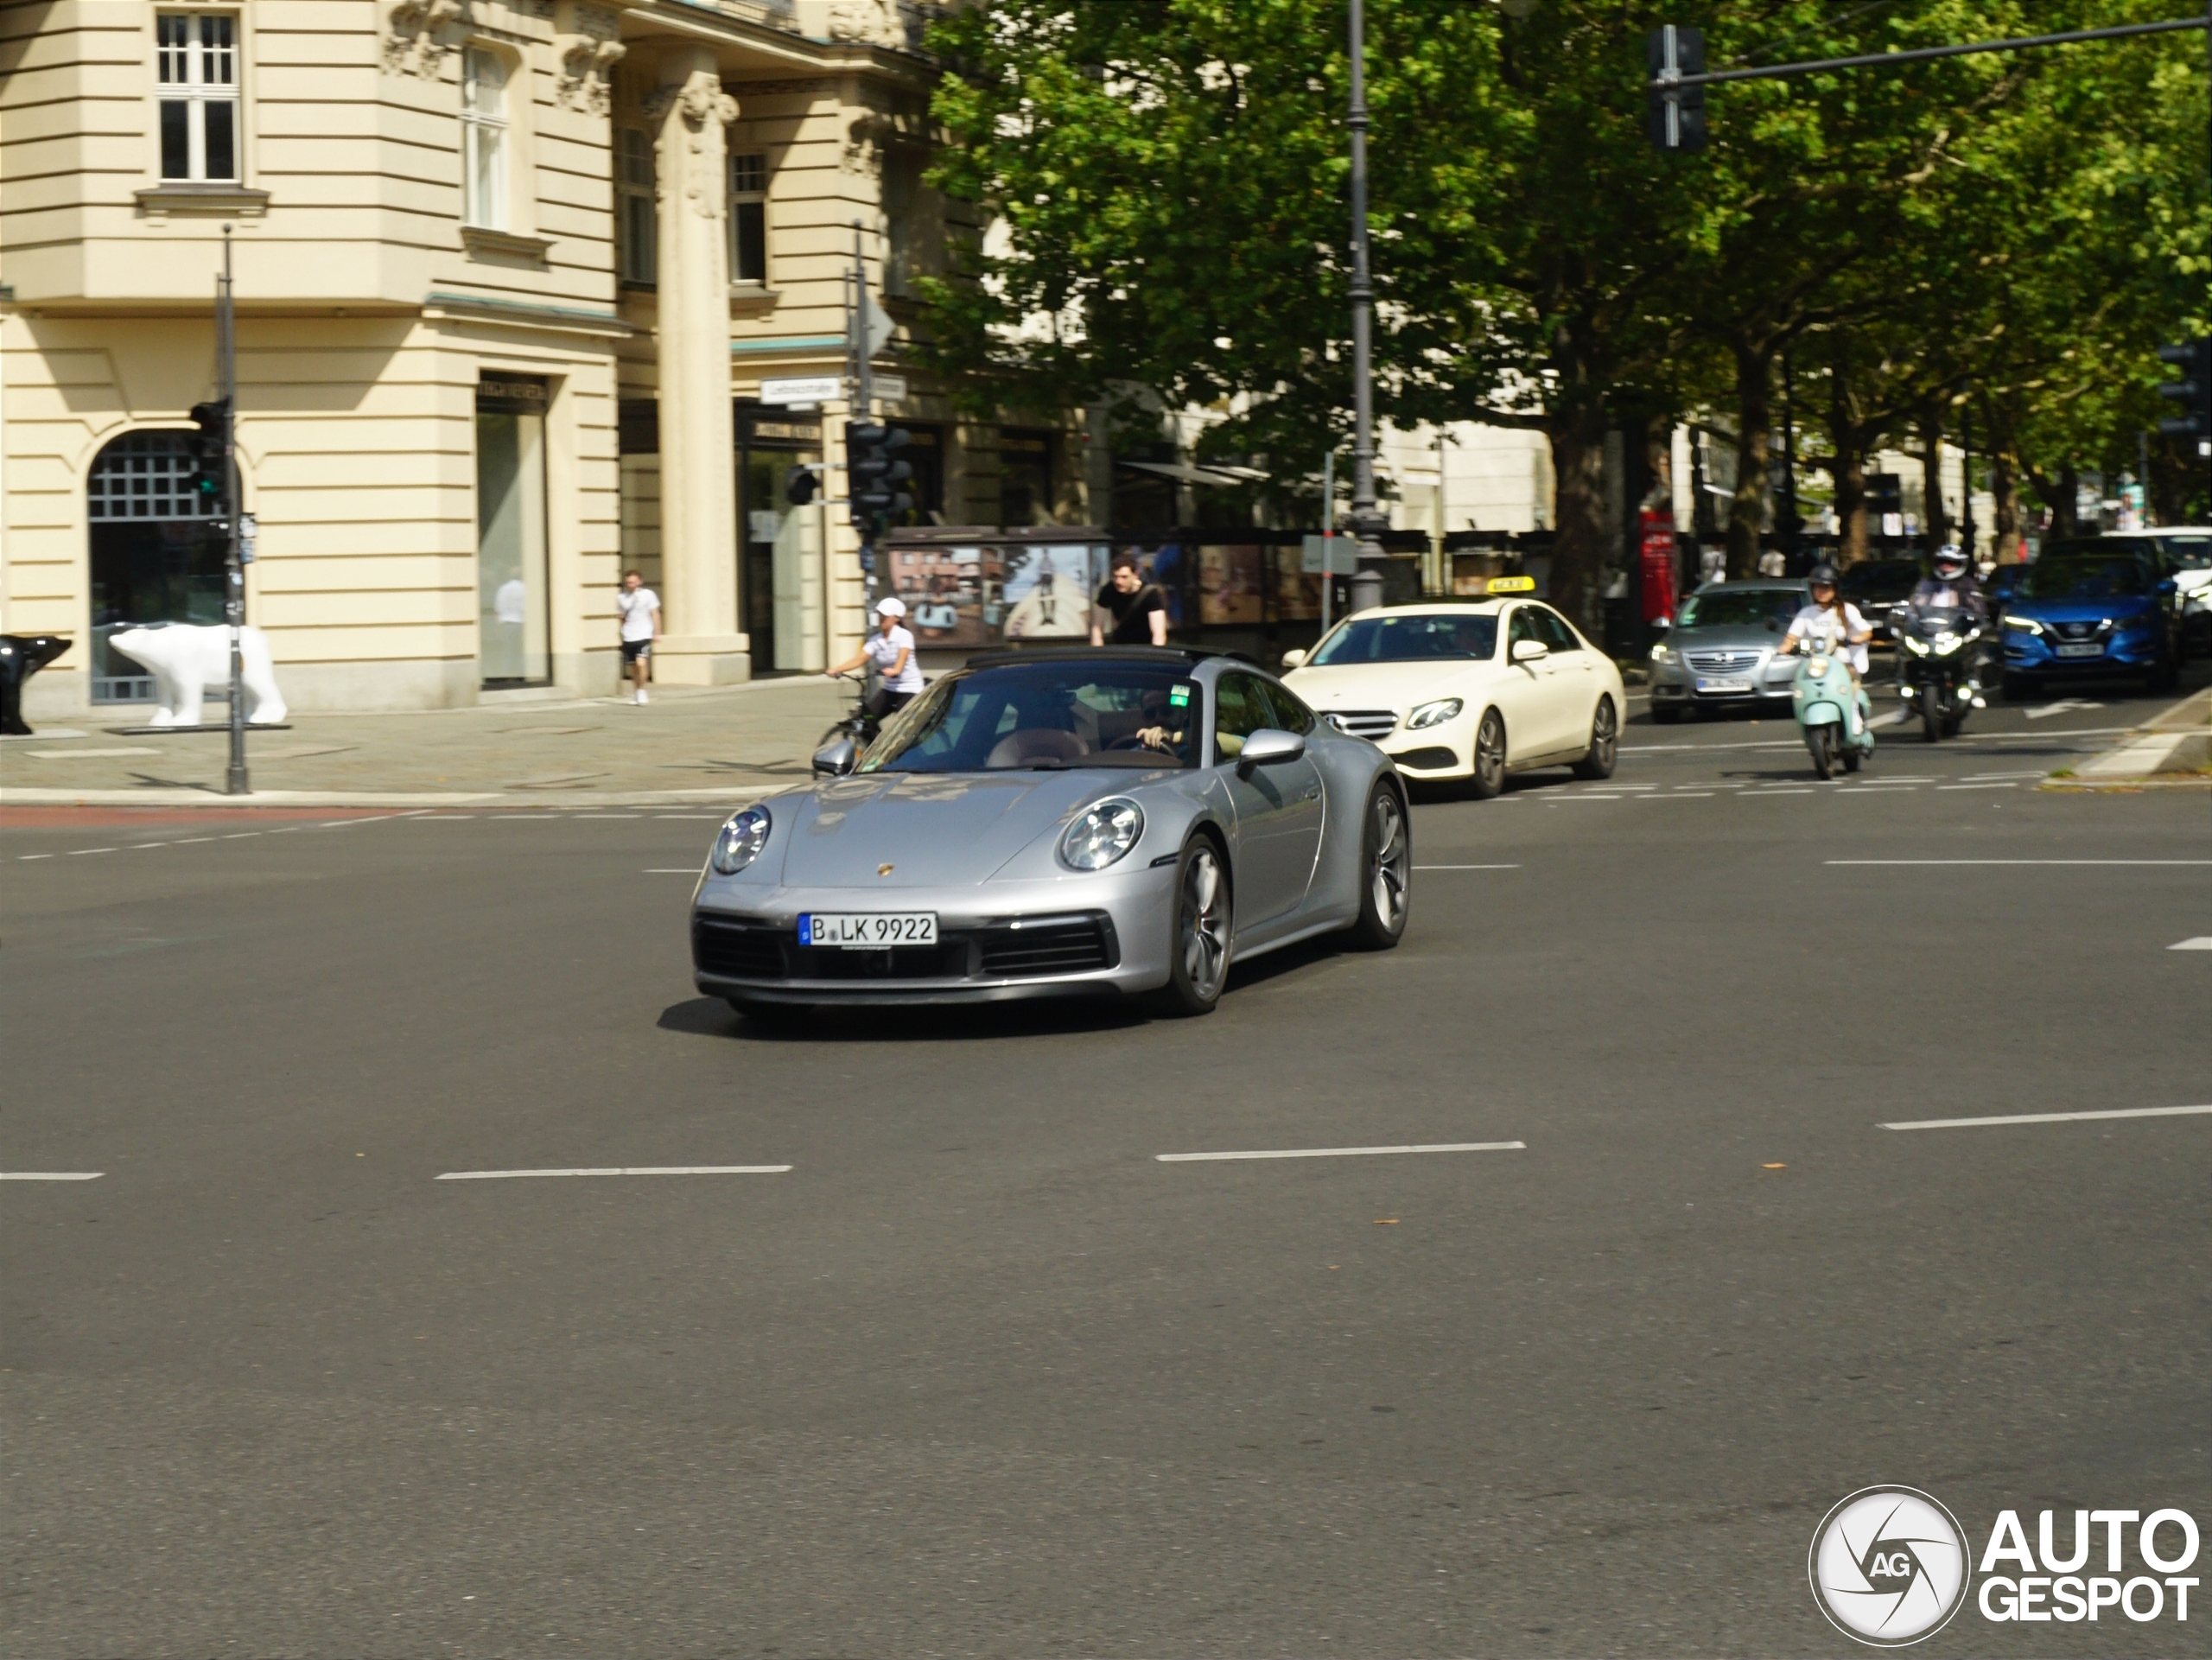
[(2075, 614)]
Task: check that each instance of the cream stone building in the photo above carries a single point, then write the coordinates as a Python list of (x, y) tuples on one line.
[(509, 276)]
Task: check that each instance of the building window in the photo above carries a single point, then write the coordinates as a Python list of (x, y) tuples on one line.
[(484, 139), (513, 605), (156, 551), (748, 219), (197, 66), (633, 189)]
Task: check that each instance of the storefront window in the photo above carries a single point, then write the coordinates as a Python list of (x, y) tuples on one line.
[(513, 611), (157, 554)]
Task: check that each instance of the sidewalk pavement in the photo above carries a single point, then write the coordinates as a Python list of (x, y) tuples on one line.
[(2177, 744), (685, 747)]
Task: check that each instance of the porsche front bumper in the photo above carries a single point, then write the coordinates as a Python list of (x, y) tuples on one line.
[(1096, 936)]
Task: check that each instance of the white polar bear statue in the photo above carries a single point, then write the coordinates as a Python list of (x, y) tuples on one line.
[(187, 658)]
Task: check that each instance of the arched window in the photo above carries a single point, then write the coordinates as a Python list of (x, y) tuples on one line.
[(157, 552)]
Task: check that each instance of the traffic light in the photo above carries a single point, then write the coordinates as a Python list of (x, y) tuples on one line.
[(1675, 120), (210, 484), (873, 468), (800, 484), (2193, 391)]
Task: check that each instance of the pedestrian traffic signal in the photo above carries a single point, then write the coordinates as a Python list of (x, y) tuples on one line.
[(800, 484), (210, 484), (2193, 391), (1675, 118), (873, 468)]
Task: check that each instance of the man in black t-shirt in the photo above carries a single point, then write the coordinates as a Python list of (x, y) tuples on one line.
[(1130, 611)]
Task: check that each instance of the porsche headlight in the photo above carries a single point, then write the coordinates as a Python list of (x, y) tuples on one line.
[(1435, 714), (2025, 625), (1102, 833), (739, 842)]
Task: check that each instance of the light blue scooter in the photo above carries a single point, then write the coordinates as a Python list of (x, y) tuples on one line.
[(1831, 710)]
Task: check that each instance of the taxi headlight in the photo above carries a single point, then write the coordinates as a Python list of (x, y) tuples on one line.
[(1435, 714), (739, 842), (1102, 833)]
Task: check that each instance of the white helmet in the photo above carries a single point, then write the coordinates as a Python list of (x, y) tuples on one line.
[(1950, 561), (891, 606)]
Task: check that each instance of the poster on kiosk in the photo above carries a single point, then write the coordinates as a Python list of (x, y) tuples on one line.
[(1660, 579)]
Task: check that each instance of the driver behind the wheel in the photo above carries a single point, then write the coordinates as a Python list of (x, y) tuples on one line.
[(1165, 725)]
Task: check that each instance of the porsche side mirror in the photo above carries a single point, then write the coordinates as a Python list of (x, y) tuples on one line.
[(837, 760), (1530, 651), (1293, 660), (1269, 747)]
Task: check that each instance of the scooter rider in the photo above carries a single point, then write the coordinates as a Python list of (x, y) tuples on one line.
[(1832, 625)]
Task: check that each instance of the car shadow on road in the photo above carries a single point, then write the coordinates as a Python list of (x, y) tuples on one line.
[(710, 1017)]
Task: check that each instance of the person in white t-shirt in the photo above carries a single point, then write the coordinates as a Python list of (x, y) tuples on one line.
[(891, 648), (1771, 563), (640, 609), (1830, 624)]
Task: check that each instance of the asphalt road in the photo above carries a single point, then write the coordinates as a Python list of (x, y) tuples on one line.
[(979, 1374)]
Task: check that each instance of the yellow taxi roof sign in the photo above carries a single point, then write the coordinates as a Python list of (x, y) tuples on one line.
[(1511, 585)]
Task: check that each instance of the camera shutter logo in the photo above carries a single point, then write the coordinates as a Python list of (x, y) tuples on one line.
[(1889, 1566)]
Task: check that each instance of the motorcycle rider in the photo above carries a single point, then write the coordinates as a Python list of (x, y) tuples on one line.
[(1952, 586), (1832, 624)]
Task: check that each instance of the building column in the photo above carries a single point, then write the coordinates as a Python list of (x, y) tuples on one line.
[(698, 456)]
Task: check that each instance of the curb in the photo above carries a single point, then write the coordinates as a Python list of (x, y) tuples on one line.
[(209, 801)]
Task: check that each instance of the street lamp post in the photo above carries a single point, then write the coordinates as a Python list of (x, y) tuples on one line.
[(1367, 525)]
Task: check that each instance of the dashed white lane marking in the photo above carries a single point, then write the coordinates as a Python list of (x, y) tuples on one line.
[(1977, 786), (1344, 1152), (625, 1170), (237, 836), (2202, 943), (136, 845), (1570, 796), (1466, 866), (2150, 863), (608, 815), (1760, 795), (79, 852), (689, 817), (187, 841), (671, 870), (1679, 795), (2064, 706), (2048, 1117), (33, 856), (440, 817), (51, 1175), (529, 817), (1983, 777)]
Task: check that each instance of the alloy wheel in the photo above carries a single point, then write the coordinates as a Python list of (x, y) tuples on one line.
[(1388, 866), (1205, 923)]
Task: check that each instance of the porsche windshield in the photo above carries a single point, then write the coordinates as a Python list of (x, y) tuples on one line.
[(1446, 635), (1017, 716)]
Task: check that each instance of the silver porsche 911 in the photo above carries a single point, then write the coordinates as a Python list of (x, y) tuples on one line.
[(1054, 823)]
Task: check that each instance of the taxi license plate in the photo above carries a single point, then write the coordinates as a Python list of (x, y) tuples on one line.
[(1722, 684), (2081, 651), (867, 930)]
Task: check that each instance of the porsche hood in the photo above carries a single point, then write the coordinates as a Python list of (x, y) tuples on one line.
[(921, 830)]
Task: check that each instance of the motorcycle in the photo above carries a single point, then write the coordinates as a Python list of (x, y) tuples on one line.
[(1939, 664), (1830, 709)]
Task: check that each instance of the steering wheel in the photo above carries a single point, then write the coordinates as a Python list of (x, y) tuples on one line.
[(1130, 740)]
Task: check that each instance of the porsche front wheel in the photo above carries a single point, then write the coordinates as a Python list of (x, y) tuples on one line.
[(1199, 936)]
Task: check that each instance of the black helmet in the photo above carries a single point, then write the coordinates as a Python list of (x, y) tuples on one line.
[(1820, 576)]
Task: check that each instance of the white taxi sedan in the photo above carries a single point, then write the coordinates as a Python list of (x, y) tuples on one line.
[(1467, 689)]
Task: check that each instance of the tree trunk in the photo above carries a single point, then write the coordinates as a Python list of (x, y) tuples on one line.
[(1849, 470), (2005, 491), (2065, 511), (1747, 512), (1936, 519), (1581, 534)]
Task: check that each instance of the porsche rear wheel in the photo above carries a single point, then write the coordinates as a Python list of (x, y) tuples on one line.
[(1197, 965), (1386, 873)]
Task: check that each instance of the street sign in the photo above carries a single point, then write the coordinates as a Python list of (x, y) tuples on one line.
[(802, 389), (1338, 555), (876, 324), (891, 389)]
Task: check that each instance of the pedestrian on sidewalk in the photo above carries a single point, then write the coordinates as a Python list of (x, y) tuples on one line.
[(891, 648), (639, 610)]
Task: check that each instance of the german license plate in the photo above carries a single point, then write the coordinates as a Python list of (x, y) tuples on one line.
[(1722, 683), (2081, 651), (867, 930)]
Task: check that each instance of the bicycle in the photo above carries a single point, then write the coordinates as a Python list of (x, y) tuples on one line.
[(858, 725)]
